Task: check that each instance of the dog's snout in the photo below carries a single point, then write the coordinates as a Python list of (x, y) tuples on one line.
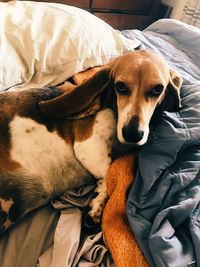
[(131, 132), (133, 135)]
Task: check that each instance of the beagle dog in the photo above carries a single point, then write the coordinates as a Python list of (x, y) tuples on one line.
[(52, 139)]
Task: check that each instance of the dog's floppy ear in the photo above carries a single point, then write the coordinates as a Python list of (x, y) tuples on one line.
[(172, 101), (77, 101)]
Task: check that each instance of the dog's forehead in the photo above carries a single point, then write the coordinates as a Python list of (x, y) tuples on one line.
[(142, 63), (140, 59)]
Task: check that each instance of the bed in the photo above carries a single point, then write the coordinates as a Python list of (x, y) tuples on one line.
[(163, 207)]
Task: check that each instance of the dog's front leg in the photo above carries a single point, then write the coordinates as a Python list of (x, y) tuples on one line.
[(94, 154)]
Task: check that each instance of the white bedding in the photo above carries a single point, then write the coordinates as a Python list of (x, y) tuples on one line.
[(45, 43)]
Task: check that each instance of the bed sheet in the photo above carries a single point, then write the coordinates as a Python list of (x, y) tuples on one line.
[(163, 202), (163, 205), (57, 235)]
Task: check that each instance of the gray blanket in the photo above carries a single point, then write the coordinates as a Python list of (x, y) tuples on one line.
[(163, 205)]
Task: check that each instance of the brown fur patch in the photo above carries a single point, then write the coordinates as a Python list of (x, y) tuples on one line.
[(83, 128), (65, 130), (5, 159), (7, 163)]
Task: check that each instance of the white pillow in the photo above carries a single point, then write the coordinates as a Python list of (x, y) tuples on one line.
[(46, 43)]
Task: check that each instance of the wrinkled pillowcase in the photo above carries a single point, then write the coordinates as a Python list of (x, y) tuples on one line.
[(45, 43)]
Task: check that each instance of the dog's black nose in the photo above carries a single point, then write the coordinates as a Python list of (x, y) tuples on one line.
[(132, 136), (131, 133)]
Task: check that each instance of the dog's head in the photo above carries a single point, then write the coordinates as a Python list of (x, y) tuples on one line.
[(134, 84)]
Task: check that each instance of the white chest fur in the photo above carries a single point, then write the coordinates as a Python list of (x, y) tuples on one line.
[(44, 154), (94, 152)]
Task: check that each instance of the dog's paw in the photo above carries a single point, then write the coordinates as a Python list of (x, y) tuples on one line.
[(96, 213), (97, 205)]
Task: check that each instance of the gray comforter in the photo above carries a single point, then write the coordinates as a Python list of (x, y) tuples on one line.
[(163, 205)]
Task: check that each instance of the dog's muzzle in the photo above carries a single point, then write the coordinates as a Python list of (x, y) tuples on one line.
[(131, 132)]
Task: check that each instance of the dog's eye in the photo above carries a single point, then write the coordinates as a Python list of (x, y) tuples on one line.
[(121, 88), (157, 90)]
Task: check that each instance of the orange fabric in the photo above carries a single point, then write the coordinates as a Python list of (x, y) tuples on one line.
[(84, 75), (120, 240)]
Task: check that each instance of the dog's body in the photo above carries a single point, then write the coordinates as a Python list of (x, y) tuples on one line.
[(42, 153), (44, 157)]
